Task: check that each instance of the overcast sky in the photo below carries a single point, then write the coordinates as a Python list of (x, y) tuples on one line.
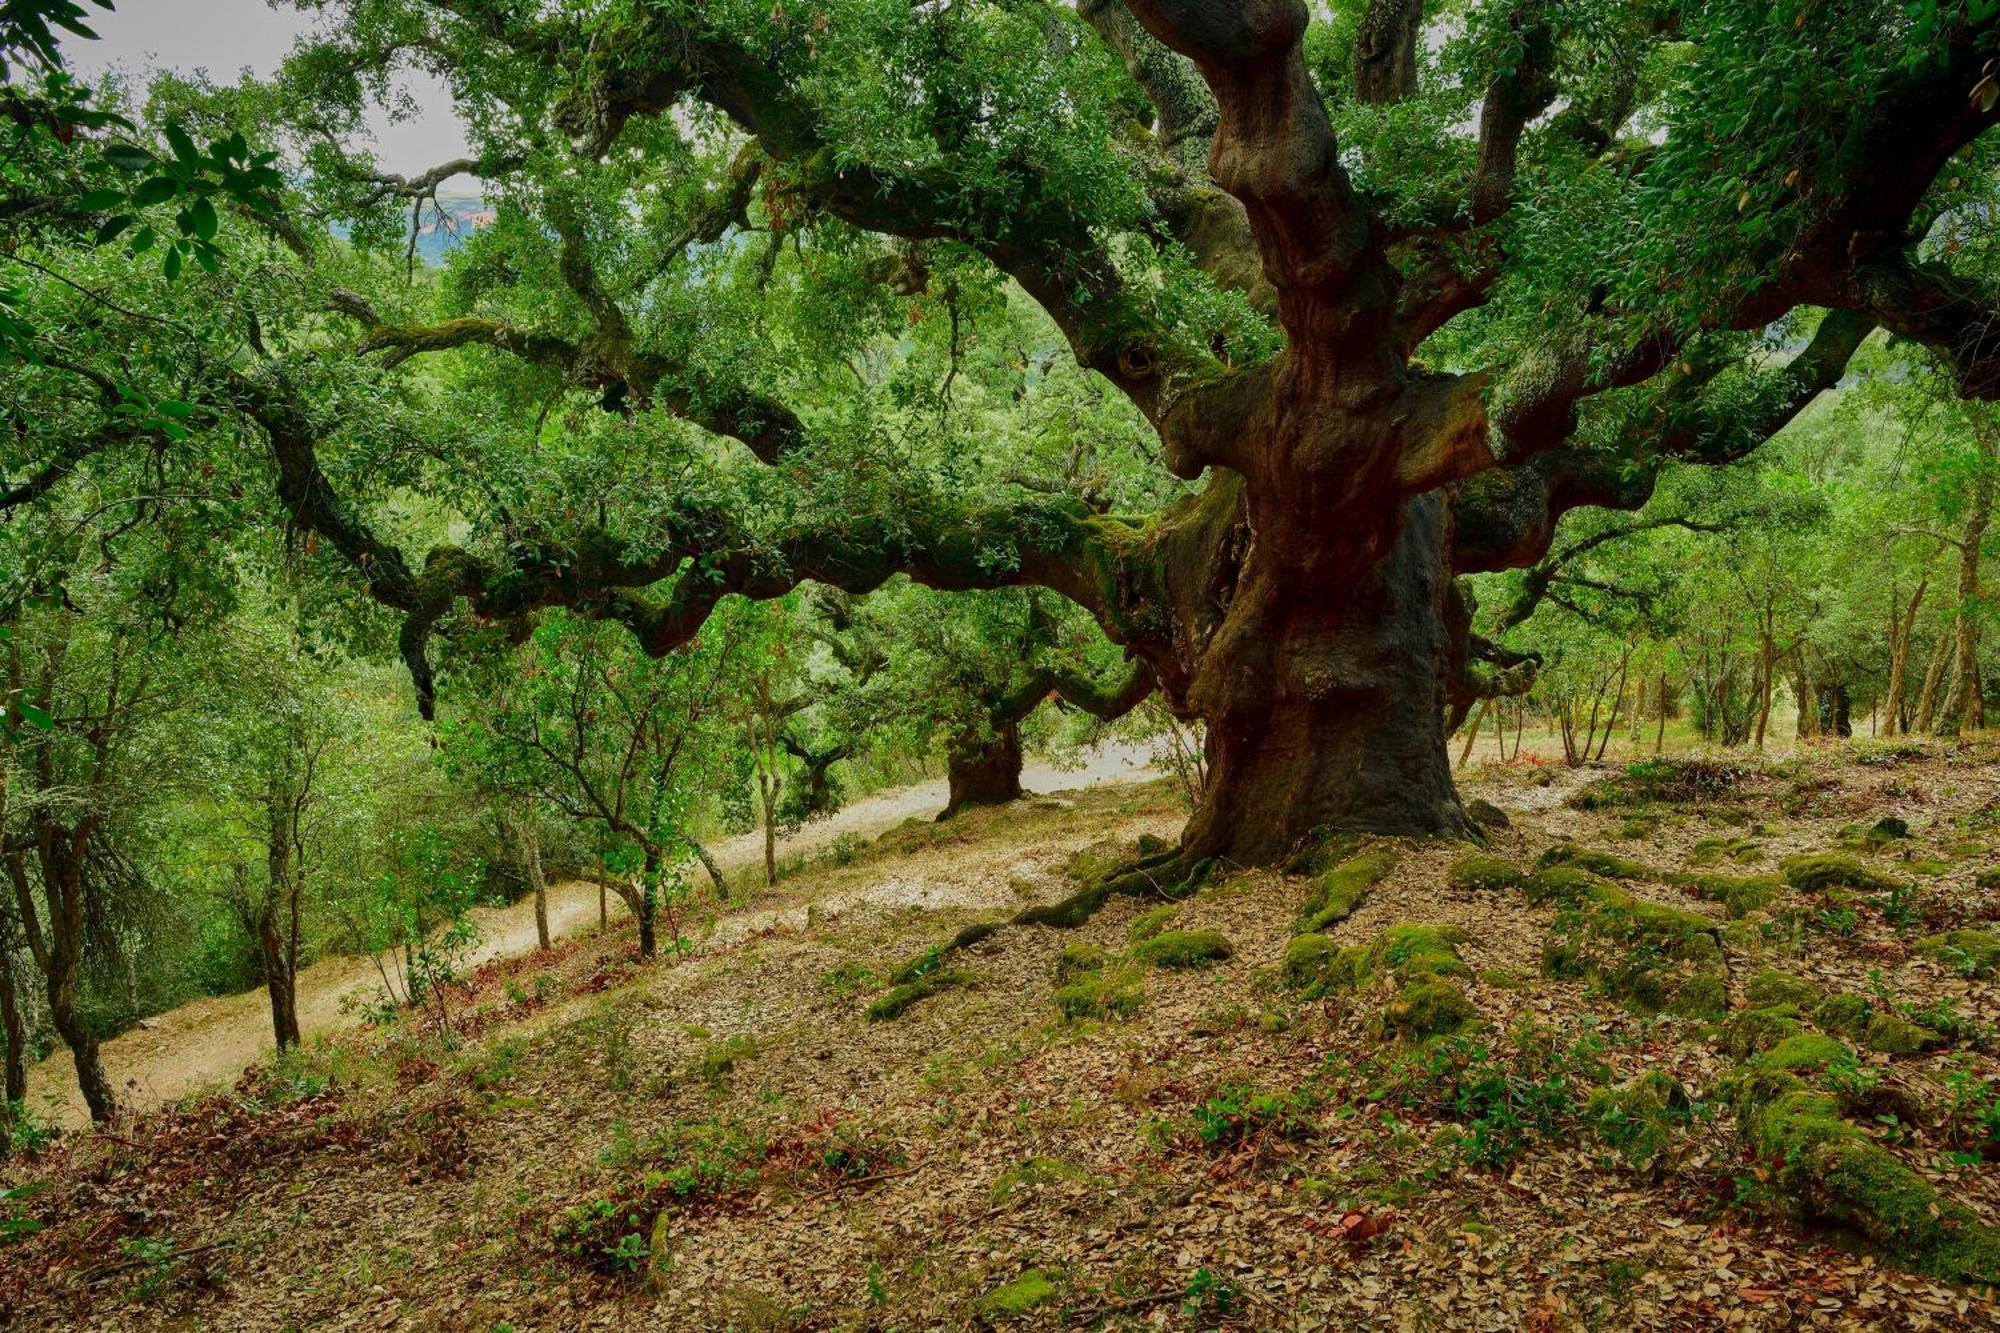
[(225, 37)]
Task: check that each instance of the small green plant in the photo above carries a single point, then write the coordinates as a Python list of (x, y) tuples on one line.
[(15, 1224), (1237, 1112), (154, 1258), (1207, 1296)]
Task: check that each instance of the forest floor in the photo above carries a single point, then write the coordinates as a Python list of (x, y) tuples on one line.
[(207, 1043), (727, 1141)]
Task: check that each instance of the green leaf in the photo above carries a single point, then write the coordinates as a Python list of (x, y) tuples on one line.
[(36, 716), (173, 407), (142, 240), (202, 220), (99, 200), (112, 226), (172, 267), (157, 190), (183, 146), (128, 157)]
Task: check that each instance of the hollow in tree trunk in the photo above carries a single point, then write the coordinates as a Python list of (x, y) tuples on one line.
[(984, 768)]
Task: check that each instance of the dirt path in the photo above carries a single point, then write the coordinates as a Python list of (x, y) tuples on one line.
[(210, 1041)]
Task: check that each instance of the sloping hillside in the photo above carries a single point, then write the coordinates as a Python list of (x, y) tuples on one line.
[(1657, 1083)]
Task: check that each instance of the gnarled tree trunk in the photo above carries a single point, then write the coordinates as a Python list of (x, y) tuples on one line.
[(984, 768), (1324, 691)]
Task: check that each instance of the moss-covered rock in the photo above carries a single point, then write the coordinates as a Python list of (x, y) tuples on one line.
[(1806, 1052), (1751, 1032), (896, 1001), (1342, 889), (1017, 1298), (1892, 1034), (1076, 959), (1874, 837), (1311, 965), (1771, 986), (1480, 873), (1845, 1014), (1182, 949), (1637, 1120), (1427, 1007), (1150, 923), (1712, 851), (1817, 872), (1971, 952), (1596, 862)]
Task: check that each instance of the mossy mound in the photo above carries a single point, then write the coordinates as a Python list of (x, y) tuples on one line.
[(1422, 960), (1112, 992), (1975, 953), (1077, 959), (1565, 886), (1480, 873), (1740, 895), (1892, 1034), (1753, 1031), (1845, 1014), (1017, 1298), (1655, 958), (1342, 889), (1637, 1120), (1817, 872), (1150, 923), (896, 1001), (1428, 1007), (1183, 949), (1874, 837), (1837, 1173), (1771, 986), (1597, 862)]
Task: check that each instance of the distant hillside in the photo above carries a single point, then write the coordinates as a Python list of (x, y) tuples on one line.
[(457, 216)]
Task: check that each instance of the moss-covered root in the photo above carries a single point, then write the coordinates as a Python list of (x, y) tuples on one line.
[(1182, 949), (1837, 1173), (1596, 862), (1653, 957), (896, 1001), (1341, 890), (1422, 960)]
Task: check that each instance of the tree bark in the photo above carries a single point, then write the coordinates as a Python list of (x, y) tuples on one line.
[(13, 1027), (1965, 705), (1927, 702), (280, 897), (984, 768), (1902, 631), (531, 870), (1324, 691)]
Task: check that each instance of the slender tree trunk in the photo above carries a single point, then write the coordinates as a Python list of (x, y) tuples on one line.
[(1901, 634), (714, 870), (1472, 733), (1965, 706), (1927, 702), (1660, 735), (531, 870), (76, 1035), (280, 893), (768, 790), (984, 769), (645, 905)]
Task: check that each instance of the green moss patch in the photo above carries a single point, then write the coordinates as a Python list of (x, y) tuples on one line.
[(1974, 953), (1820, 871), (1423, 960), (1017, 1298), (1637, 1120), (1183, 949), (1342, 889), (1771, 986), (1655, 958), (1110, 993), (1077, 959), (1751, 1032), (1740, 895), (1150, 923), (1596, 862), (1480, 873)]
